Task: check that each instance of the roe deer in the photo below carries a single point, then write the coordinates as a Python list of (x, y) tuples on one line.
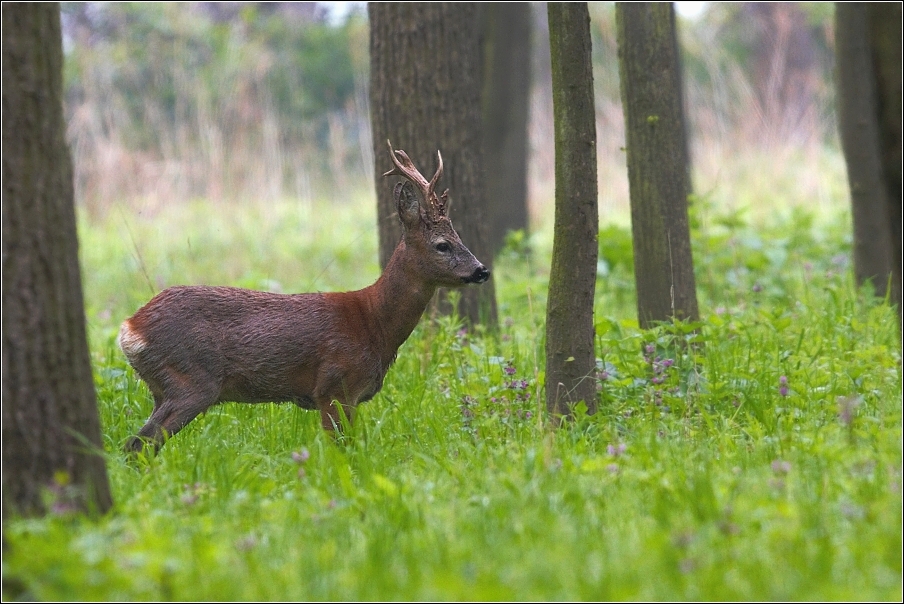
[(196, 346)]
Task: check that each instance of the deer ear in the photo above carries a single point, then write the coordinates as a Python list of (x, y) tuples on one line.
[(407, 203)]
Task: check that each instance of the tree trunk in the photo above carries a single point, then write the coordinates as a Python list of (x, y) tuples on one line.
[(858, 126), (657, 162), (506, 107), (570, 357), (51, 429), (885, 40), (425, 95)]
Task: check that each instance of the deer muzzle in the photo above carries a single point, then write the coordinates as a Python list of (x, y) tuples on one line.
[(480, 275)]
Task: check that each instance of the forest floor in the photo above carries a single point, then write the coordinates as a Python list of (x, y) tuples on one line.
[(754, 455)]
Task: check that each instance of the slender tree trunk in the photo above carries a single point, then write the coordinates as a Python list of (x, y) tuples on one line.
[(51, 429), (425, 95), (506, 107), (570, 357), (858, 125), (885, 40), (657, 162)]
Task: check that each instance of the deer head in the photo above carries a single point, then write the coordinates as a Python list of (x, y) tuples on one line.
[(428, 233)]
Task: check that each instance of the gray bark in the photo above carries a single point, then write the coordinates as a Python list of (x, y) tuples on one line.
[(506, 108), (570, 355), (885, 41), (657, 162), (51, 429), (425, 95), (858, 126)]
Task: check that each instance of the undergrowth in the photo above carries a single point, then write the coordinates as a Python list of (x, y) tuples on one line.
[(755, 454)]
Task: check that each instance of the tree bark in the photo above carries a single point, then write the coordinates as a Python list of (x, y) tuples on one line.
[(51, 429), (657, 162), (885, 41), (570, 356), (858, 126), (506, 108), (425, 95)]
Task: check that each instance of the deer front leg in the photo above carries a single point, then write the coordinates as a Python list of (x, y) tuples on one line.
[(337, 394), (331, 412)]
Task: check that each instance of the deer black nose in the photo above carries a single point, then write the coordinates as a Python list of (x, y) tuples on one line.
[(480, 275)]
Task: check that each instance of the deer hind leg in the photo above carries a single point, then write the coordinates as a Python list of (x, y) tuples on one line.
[(171, 414)]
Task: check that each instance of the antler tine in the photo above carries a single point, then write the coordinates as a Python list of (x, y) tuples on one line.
[(395, 167), (406, 168), (403, 166), (439, 172)]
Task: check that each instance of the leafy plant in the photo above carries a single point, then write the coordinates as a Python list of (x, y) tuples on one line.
[(753, 455)]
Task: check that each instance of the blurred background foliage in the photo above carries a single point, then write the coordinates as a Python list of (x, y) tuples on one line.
[(216, 100), (265, 101)]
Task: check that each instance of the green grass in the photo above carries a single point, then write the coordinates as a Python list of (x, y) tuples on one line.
[(699, 478)]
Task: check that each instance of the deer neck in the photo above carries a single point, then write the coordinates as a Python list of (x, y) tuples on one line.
[(398, 299)]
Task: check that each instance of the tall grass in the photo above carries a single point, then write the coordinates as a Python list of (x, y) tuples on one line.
[(755, 455)]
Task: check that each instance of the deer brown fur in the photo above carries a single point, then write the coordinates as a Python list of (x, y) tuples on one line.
[(196, 346)]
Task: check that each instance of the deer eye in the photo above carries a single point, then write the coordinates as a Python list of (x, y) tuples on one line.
[(443, 247)]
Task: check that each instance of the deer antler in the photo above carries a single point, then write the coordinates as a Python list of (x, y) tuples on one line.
[(403, 166)]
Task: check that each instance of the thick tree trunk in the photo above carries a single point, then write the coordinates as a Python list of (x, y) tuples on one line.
[(51, 429), (885, 40), (506, 108), (858, 126), (657, 162), (570, 357), (425, 95)]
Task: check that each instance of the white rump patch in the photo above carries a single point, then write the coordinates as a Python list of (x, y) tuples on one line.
[(130, 342)]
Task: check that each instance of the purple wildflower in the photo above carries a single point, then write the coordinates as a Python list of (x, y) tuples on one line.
[(783, 386), (781, 467), (509, 370), (63, 508), (847, 406)]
